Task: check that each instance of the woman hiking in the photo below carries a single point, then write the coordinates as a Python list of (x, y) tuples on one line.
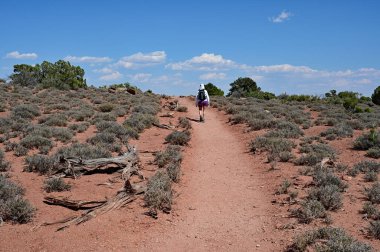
[(202, 101)]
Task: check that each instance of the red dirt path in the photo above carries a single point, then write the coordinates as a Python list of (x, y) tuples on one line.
[(222, 203)]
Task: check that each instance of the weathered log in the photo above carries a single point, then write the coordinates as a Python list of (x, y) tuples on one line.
[(73, 166), (164, 126), (73, 204), (95, 208), (169, 114)]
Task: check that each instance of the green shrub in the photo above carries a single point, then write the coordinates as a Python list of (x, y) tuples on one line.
[(184, 123), (376, 96), (174, 171), (286, 129), (335, 239), (20, 150), (4, 165), (367, 141), (285, 156), (309, 210), (340, 130), (54, 120), (79, 127), (178, 137), (62, 134), (323, 177), (374, 229), (106, 107), (370, 211), (39, 163), (329, 195), (148, 108), (370, 176), (25, 111), (40, 130), (272, 145), (172, 154), (12, 206), (140, 121), (159, 192), (102, 138), (314, 154), (283, 189), (83, 151), (373, 193), (56, 185), (364, 167), (373, 152), (35, 141)]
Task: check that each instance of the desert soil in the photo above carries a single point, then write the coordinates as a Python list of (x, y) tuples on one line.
[(224, 202)]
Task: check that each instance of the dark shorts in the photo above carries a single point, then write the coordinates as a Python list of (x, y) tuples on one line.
[(202, 104)]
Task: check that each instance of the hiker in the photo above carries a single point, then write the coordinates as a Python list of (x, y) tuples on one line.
[(202, 101)]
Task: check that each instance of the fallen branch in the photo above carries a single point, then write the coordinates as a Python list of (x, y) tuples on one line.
[(123, 197), (169, 114), (72, 167), (164, 126), (73, 204)]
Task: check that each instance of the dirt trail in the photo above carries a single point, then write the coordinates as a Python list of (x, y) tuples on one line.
[(221, 204)]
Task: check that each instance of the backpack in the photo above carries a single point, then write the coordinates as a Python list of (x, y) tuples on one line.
[(201, 95)]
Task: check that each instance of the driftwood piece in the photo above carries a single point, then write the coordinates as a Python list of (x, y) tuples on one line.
[(169, 114), (95, 208), (164, 126), (72, 167), (73, 204)]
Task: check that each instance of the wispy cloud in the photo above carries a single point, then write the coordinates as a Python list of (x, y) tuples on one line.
[(283, 16), (140, 59), (204, 62), (282, 68), (212, 76), (141, 77), (111, 76), (87, 59), (17, 55)]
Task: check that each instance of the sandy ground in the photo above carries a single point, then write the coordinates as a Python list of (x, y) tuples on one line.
[(224, 202)]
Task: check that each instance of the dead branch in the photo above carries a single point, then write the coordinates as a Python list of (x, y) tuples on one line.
[(169, 114), (164, 126), (73, 204), (72, 167)]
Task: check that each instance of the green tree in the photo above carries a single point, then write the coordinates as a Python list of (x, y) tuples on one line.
[(60, 75), (242, 87), (213, 90), (376, 96)]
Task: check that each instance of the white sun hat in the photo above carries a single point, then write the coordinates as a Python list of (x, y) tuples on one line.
[(202, 86)]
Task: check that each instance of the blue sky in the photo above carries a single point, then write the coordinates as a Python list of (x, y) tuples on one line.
[(291, 46)]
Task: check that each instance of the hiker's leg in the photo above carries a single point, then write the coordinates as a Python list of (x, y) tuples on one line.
[(200, 110)]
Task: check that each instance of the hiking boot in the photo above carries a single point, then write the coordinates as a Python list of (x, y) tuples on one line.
[(201, 119)]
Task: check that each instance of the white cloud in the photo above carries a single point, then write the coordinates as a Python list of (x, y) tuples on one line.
[(17, 55), (87, 59), (283, 68), (141, 77), (204, 62), (104, 70), (283, 16), (140, 59), (213, 76), (112, 76)]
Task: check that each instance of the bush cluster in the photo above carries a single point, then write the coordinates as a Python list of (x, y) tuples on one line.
[(12, 205)]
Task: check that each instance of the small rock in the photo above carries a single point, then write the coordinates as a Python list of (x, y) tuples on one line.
[(257, 245), (346, 178)]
